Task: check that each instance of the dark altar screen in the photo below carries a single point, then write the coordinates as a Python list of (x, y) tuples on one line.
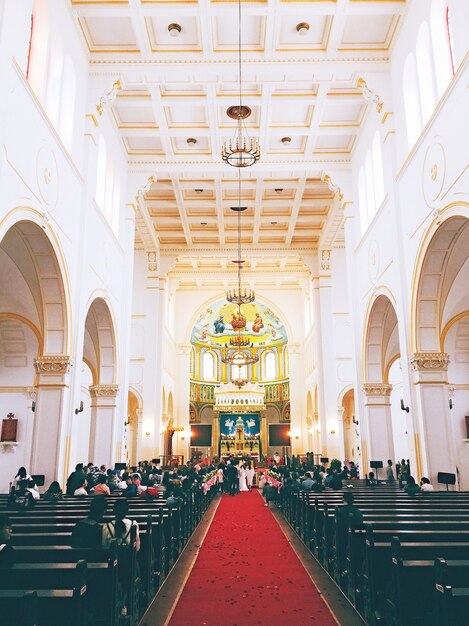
[(201, 435), (279, 435)]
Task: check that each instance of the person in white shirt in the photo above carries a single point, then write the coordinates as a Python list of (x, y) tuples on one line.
[(425, 484), (32, 489), (121, 526), (81, 491)]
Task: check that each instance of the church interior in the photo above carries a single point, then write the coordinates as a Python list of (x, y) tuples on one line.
[(235, 233)]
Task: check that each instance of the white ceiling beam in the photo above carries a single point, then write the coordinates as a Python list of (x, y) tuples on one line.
[(294, 213)]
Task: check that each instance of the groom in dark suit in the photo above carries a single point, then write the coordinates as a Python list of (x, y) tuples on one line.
[(232, 476)]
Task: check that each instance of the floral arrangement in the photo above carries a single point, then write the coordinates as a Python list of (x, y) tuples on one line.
[(273, 479), (208, 481)]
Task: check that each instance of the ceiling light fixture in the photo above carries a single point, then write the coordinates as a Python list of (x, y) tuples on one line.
[(174, 29), (285, 139), (198, 190), (302, 28), (240, 357), (278, 190), (191, 140), (241, 151)]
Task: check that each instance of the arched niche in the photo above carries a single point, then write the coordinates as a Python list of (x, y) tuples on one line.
[(32, 285), (381, 340), (441, 282), (99, 349)]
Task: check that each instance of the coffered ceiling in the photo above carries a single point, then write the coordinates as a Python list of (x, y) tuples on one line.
[(307, 110)]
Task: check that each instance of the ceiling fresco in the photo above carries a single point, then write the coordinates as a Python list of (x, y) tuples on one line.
[(216, 324)]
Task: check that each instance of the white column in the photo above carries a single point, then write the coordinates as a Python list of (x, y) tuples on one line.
[(103, 424), (181, 439), (433, 440), (379, 421), (50, 448), (298, 425)]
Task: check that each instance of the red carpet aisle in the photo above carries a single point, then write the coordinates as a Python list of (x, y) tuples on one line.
[(246, 574)]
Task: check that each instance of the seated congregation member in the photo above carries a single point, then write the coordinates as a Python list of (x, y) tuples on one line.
[(54, 493), (349, 515), (174, 498), (81, 489), (121, 526), (21, 475), (88, 532), (411, 488), (6, 551), (317, 486), (335, 482), (425, 484), (102, 489), (307, 483), (131, 490), (75, 480), (371, 480)]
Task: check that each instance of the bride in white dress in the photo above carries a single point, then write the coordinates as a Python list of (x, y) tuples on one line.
[(243, 484)]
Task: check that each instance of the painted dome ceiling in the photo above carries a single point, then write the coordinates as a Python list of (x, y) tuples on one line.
[(217, 323)]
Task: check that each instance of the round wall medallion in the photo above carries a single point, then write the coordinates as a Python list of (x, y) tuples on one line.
[(433, 174), (47, 176)]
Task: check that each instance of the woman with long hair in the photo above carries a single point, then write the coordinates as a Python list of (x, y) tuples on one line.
[(121, 526)]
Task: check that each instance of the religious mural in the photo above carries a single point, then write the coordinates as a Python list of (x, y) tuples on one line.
[(217, 324)]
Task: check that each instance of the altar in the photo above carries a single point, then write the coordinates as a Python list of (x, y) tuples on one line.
[(240, 412), (240, 435)]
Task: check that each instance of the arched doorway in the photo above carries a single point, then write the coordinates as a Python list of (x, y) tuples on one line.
[(440, 306), (381, 349), (100, 355), (34, 344)]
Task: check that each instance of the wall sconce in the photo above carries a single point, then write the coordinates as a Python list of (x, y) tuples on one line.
[(80, 410), (33, 406), (148, 433), (333, 427), (404, 407), (354, 420)]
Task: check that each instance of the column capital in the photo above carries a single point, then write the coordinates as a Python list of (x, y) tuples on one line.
[(53, 364), (424, 361), (104, 391), (377, 389)]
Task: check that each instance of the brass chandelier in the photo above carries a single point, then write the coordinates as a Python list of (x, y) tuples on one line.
[(241, 151), (239, 358)]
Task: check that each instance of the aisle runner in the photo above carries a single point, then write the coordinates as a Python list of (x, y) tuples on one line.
[(246, 574)]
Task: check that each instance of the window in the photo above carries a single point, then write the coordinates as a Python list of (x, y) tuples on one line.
[(362, 199), (67, 103), (425, 73), (101, 173), (269, 366), (442, 46), (208, 366), (450, 41), (411, 100), (378, 179)]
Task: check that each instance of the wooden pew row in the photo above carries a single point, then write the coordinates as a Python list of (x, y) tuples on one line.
[(60, 592), (164, 535), (401, 514)]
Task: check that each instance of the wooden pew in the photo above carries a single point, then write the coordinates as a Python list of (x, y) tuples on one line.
[(60, 590)]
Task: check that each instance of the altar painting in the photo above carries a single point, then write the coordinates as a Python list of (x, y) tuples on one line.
[(240, 434), (218, 323)]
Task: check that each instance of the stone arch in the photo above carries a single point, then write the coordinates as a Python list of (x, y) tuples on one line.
[(381, 339), (441, 262), (30, 260), (99, 349)]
